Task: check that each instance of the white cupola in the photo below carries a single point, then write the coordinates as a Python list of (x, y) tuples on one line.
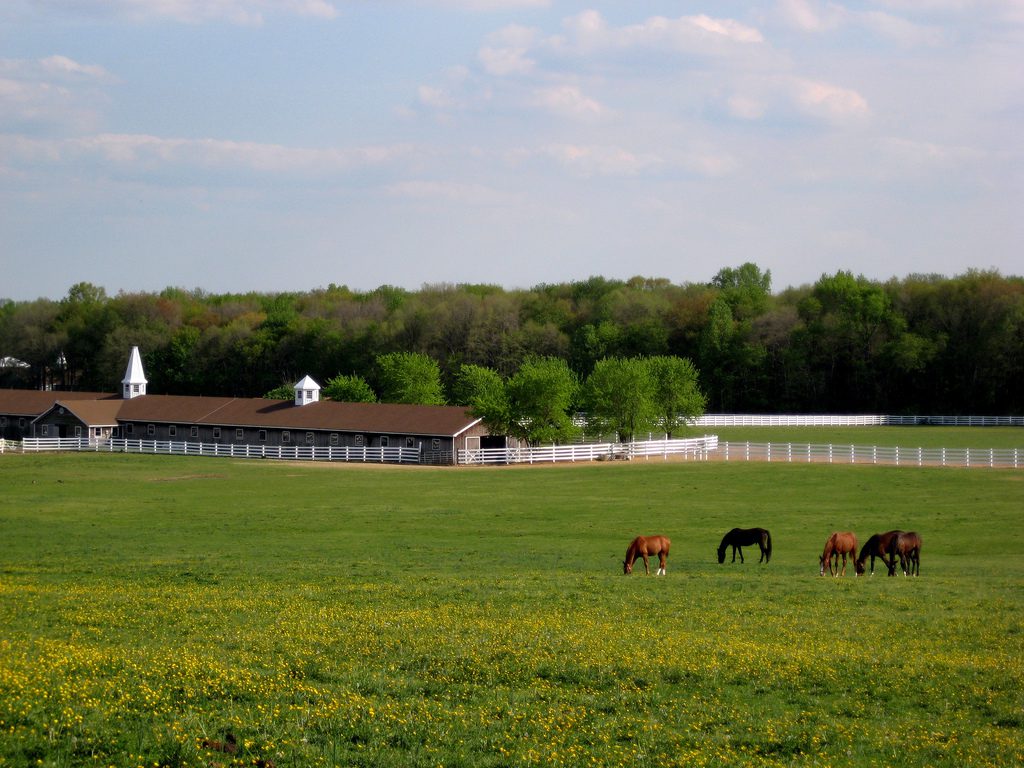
[(307, 391), (134, 382)]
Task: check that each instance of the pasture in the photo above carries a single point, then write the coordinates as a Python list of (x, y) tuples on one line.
[(330, 615)]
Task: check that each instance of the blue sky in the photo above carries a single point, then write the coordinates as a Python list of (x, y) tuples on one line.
[(236, 145)]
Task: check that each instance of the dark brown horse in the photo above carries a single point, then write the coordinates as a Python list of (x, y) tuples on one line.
[(908, 547), (881, 545), (647, 546), (738, 538), (839, 543)]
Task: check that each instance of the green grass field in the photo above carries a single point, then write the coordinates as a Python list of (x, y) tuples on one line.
[(364, 615)]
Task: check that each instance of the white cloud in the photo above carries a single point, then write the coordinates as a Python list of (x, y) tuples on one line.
[(490, 5), (448, 191), (56, 90), (818, 17), (507, 51), (568, 101), (590, 160), (248, 12), (829, 102), (588, 32), (145, 152), (62, 65)]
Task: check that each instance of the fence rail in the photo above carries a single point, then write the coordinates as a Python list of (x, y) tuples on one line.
[(387, 455), (873, 454), (851, 420), (696, 448)]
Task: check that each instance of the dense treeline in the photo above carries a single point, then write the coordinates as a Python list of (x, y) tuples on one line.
[(922, 344)]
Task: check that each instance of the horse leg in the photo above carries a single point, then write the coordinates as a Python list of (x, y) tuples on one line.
[(661, 564), (647, 566), (844, 565), (741, 556)]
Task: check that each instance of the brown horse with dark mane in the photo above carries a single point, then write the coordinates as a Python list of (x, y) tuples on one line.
[(908, 547), (880, 545), (738, 538), (647, 546), (839, 543)]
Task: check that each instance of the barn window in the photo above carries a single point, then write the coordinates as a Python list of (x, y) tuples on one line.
[(194, 431), (410, 442), (78, 431), (45, 431), (435, 444), (309, 438), (360, 441), (286, 436), (216, 433), (129, 429), (384, 441), (150, 430), (21, 423), (172, 430), (263, 435), (334, 438), (239, 434)]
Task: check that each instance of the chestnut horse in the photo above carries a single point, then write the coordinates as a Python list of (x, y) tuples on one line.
[(738, 538), (839, 543), (644, 546), (881, 545), (908, 547)]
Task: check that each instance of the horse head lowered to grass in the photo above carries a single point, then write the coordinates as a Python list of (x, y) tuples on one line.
[(644, 547), (839, 543), (738, 538), (882, 546)]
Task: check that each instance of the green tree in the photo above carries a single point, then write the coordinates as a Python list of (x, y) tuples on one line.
[(484, 391), (541, 396), (619, 397), (677, 397), (746, 288), (349, 389), (410, 377)]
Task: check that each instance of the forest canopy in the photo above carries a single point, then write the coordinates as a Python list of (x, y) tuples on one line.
[(921, 344)]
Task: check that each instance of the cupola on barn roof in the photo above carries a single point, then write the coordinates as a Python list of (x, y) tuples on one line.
[(134, 382), (307, 391)]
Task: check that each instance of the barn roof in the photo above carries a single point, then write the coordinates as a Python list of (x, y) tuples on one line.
[(103, 409), (32, 402), (92, 413), (284, 414)]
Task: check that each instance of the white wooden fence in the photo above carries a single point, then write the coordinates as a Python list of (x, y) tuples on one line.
[(696, 448), (387, 455), (859, 454), (850, 420)]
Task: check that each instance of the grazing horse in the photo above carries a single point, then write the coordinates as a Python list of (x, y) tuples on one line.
[(839, 543), (738, 538), (881, 545), (644, 546), (908, 547)]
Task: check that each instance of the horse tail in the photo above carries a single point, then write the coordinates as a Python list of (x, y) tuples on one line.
[(768, 546)]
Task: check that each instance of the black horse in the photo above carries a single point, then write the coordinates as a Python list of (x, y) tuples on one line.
[(744, 537), (882, 546)]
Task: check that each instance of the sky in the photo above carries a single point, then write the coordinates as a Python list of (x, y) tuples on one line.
[(285, 145)]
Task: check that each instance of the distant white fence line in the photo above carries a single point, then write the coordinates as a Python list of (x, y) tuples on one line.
[(695, 448), (859, 454), (850, 420), (387, 455)]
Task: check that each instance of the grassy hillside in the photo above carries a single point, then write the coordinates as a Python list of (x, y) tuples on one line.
[(366, 615)]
